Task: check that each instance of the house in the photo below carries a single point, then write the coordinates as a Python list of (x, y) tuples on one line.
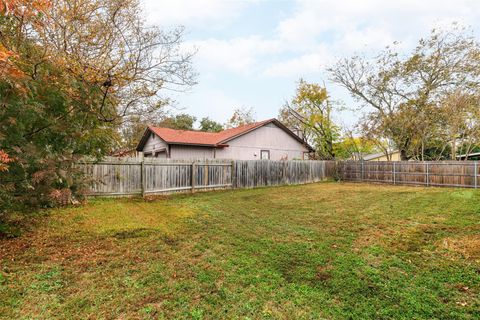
[(470, 156), (268, 139), (381, 156)]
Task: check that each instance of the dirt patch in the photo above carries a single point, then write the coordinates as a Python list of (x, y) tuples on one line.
[(468, 246), (323, 273), (372, 236)]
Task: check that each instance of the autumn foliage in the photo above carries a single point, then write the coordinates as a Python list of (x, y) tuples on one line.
[(4, 160), (72, 72)]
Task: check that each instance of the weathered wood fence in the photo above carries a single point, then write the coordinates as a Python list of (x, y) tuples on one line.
[(130, 176), (462, 174)]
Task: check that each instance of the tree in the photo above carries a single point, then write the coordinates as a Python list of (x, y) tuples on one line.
[(209, 125), (460, 122), (402, 89), (240, 117), (71, 72), (107, 42), (180, 121), (132, 131), (310, 112), (353, 148), (287, 117)]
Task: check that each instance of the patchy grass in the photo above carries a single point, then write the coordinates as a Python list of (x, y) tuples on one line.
[(324, 250)]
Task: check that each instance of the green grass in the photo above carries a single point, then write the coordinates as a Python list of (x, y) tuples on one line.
[(324, 250)]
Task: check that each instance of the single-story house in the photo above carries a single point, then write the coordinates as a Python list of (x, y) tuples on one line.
[(381, 156), (268, 139)]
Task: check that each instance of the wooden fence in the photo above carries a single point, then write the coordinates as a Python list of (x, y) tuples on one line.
[(462, 174), (130, 176)]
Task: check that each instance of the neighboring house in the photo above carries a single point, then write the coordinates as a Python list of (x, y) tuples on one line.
[(268, 139), (381, 156), (470, 156)]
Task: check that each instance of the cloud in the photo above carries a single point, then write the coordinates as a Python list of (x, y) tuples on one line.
[(309, 63), (193, 13), (239, 55), (315, 32), (210, 102), (294, 39), (337, 20)]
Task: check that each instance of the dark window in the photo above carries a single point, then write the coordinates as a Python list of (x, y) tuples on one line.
[(265, 154), (306, 156)]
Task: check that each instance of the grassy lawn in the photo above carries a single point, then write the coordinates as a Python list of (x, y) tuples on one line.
[(324, 250)]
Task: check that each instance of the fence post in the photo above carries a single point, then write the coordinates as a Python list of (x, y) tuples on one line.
[(362, 173), (476, 173), (427, 180), (234, 174), (394, 180), (142, 176), (193, 176)]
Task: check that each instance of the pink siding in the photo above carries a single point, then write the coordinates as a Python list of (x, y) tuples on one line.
[(191, 152)]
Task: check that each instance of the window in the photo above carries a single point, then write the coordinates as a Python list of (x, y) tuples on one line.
[(265, 154), (306, 156)]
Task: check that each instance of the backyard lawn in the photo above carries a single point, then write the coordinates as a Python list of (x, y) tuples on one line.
[(325, 250)]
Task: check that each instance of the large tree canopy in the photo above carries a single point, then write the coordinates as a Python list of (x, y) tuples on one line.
[(72, 71), (405, 94)]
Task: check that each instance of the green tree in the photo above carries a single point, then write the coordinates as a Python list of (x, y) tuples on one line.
[(182, 121), (310, 112), (354, 148), (209, 125), (71, 73), (52, 132)]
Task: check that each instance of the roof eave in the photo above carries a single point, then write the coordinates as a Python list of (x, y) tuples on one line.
[(197, 144), (143, 140)]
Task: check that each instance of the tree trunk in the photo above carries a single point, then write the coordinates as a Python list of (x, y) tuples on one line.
[(454, 149), (403, 155)]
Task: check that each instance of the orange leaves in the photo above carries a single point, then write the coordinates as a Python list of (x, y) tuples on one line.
[(4, 159), (7, 68), (5, 54), (24, 8)]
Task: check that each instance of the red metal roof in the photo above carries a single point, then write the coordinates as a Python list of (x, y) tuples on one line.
[(173, 136)]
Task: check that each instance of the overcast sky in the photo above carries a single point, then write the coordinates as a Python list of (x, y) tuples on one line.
[(251, 53)]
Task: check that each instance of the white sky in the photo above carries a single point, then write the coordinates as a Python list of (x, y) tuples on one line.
[(251, 53)]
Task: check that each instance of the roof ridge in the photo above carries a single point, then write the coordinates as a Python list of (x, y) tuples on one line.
[(229, 129), (183, 130)]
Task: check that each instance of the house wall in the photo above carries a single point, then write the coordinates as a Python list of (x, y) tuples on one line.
[(269, 137), (394, 157), (153, 144), (191, 152)]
